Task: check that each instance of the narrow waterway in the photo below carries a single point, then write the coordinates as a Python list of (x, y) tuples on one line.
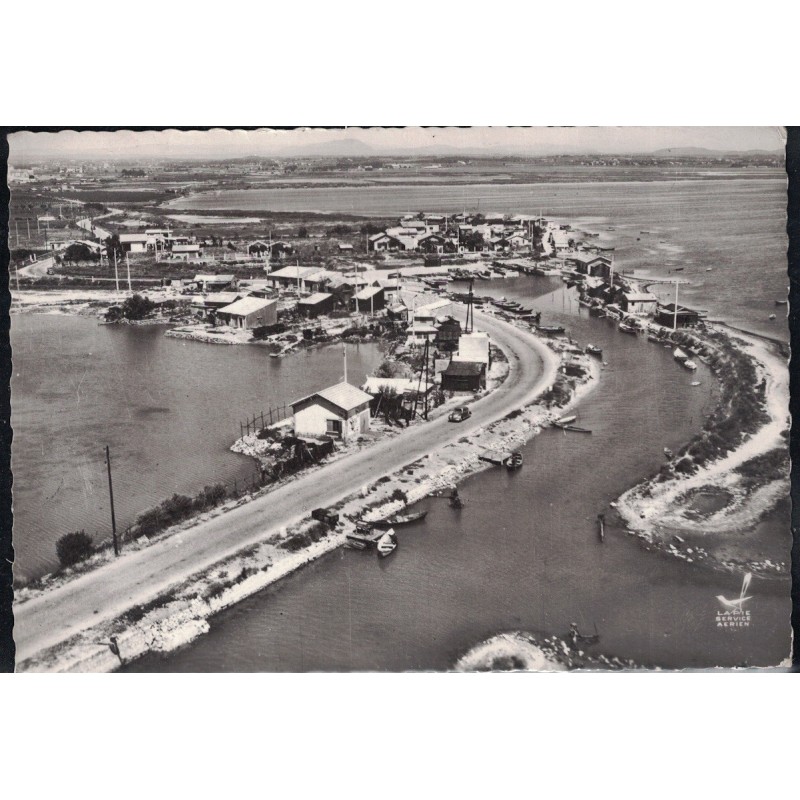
[(524, 553), (169, 409)]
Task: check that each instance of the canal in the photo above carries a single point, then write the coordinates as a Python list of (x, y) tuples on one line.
[(523, 553)]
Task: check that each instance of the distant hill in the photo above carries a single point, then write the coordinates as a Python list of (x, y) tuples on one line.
[(704, 152), (343, 148)]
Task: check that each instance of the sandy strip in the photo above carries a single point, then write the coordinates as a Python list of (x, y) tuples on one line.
[(663, 505)]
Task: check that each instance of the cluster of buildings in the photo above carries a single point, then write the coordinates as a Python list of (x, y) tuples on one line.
[(461, 233)]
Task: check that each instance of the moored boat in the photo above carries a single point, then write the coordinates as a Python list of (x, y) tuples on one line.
[(566, 420), (626, 327), (651, 337), (387, 544), (679, 355), (514, 461), (400, 519), (689, 364), (594, 350)]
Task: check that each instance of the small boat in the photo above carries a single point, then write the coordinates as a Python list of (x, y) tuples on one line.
[(387, 544), (601, 526), (626, 328), (695, 383), (400, 519), (679, 354), (566, 420), (708, 269), (689, 364), (594, 350), (772, 317), (574, 429), (678, 269), (781, 302), (514, 461), (551, 329), (651, 337), (667, 452), (644, 231)]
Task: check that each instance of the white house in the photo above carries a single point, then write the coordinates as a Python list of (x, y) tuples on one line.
[(340, 411), (473, 347), (134, 242)]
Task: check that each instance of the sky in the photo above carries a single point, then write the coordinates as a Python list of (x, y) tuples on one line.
[(218, 143)]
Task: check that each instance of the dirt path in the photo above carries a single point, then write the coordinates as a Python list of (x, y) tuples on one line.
[(139, 576)]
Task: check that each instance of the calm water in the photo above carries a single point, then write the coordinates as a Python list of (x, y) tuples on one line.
[(522, 554), (168, 408), (736, 227)]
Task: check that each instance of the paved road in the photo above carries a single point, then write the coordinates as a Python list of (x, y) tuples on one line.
[(137, 577)]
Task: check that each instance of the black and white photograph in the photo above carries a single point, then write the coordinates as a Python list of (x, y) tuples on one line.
[(480, 399)]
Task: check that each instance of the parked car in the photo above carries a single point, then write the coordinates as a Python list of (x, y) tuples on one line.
[(460, 414)]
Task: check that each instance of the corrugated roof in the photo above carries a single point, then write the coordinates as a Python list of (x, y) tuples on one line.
[(374, 384), (640, 297), (343, 395), (459, 368), (293, 272), (213, 278), (317, 297), (370, 291), (245, 306)]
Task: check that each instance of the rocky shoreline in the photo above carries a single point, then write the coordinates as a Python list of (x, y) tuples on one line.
[(692, 514)]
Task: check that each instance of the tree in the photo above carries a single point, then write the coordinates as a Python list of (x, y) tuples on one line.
[(113, 246), (78, 251), (303, 232), (473, 240), (73, 548), (137, 307), (231, 246)]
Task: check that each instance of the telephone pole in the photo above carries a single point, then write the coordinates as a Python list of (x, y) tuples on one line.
[(111, 497)]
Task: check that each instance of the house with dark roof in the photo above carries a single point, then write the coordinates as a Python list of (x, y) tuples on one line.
[(464, 376), (340, 412), (316, 305), (369, 299), (685, 318)]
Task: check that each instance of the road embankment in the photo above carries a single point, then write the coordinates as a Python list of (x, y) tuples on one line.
[(55, 629)]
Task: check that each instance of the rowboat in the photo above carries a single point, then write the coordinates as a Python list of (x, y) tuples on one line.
[(387, 544), (689, 364), (679, 355), (574, 429), (565, 420), (514, 461), (651, 337), (551, 329), (626, 328), (594, 350), (400, 519)]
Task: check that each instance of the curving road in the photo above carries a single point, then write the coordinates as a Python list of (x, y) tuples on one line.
[(137, 577)]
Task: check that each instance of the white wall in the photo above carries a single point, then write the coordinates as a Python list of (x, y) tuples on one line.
[(312, 421)]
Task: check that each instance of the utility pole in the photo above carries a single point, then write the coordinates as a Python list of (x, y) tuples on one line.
[(111, 497), (16, 228), (344, 353), (116, 271), (128, 264), (675, 315), (28, 220)]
